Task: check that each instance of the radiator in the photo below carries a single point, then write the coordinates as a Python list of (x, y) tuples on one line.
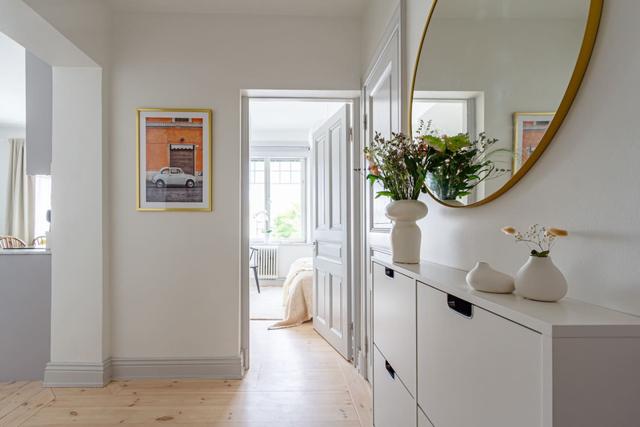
[(267, 262)]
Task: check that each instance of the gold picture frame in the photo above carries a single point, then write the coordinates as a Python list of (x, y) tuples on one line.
[(520, 119), (174, 159)]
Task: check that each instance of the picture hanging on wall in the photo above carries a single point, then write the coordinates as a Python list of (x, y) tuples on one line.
[(174, 148), (529, 128)]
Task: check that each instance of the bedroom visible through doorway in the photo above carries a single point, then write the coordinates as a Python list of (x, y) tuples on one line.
[(280, 206), (297, 216)]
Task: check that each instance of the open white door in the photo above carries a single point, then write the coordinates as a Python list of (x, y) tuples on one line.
[(331, 231)]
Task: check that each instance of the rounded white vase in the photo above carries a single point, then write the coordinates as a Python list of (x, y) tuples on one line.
[(405, 233), (539, 279), (485, 279)]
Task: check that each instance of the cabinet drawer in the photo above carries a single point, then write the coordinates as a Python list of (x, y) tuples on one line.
[(393, 406), (394, 321), (476, 368)]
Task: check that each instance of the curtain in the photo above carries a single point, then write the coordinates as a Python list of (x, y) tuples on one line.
[(21, 209)]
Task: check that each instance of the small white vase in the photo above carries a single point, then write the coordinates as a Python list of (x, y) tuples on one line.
[(539, 279), (405, 234), (484, 278)]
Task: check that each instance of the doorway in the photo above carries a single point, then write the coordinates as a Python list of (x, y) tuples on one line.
[(298, 215)]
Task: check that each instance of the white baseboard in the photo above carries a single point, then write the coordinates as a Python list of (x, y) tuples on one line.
[(192, 367), (77, 374), (100, 374)]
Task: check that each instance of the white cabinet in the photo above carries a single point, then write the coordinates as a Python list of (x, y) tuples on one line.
[(423, 421), (393, 405), (448, 356), (491, 364), (394, 321)]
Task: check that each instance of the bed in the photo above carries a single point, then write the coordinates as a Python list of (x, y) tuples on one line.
[(297, 294)]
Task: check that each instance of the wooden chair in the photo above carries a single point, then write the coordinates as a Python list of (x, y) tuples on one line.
[(39, 242), (253, 264), (10, 242)]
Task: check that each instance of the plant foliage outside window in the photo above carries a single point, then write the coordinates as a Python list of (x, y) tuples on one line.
[(277, 201)]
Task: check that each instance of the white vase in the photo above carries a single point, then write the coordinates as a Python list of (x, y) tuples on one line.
[(484, 278), (539, 279), (405, 234)]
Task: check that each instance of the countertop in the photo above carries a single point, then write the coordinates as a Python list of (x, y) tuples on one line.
[(565, 318), (26, 251)]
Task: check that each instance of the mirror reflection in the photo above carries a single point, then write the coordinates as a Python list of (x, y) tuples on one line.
[(491, 75)]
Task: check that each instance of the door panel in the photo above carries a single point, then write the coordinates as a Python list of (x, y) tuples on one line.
[(382, 101), (332, 295)]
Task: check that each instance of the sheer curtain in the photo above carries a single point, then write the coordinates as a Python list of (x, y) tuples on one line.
[(21, 209)]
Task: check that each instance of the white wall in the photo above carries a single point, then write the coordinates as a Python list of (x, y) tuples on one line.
[(586, 181), (78, 280), (87, 24), (374, 22), (170, 302), (77, 324), (289, 254)]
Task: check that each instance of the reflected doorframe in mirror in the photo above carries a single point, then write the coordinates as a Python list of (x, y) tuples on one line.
[(584, 56)]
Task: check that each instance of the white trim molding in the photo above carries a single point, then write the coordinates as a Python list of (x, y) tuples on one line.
[(100, 374), (77, 374), (227, 368)]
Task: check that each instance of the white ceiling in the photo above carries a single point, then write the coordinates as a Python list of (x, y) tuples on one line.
[(350, 8), (277, 121), (12, 83)]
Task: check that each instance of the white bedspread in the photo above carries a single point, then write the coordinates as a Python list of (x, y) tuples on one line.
[(297, 294)]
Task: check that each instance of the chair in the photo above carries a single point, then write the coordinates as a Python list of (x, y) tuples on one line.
[(10, 242), (39, 242), (253, 264)]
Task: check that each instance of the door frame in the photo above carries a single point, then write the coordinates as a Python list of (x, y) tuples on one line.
[(390, 51), (348, 96)]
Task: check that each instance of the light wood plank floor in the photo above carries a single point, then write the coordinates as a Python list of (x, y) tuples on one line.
[(296, 379)]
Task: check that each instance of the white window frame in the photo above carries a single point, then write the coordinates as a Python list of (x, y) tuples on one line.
[(283, 155)]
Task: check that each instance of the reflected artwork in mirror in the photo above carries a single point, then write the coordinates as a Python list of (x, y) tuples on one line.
[(492, 83)]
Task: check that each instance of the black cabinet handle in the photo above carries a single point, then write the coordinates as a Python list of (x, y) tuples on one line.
[(390, 370), (460, 306), (388, 272)]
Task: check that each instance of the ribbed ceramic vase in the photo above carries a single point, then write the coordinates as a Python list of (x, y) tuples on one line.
[(539, 279), (405, 234)]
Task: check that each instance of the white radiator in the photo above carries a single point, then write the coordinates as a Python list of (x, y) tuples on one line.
[(267, 262)]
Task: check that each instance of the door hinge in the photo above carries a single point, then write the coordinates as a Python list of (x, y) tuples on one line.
[(364, 119), (351, 135)]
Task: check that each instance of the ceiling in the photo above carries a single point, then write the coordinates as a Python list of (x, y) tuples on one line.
[(12, 83), (281, 121), (351, 8)]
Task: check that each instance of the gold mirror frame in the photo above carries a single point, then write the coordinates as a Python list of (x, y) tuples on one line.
[(586, 49)]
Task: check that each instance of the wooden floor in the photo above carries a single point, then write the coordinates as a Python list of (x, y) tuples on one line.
[(296, 379)]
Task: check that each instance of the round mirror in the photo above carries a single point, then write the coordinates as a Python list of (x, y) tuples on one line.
[(493, 81)]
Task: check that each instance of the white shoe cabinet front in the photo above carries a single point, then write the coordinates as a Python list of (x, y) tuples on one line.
[(448, 356)]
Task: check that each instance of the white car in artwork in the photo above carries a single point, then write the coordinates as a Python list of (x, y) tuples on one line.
[(173, 177)]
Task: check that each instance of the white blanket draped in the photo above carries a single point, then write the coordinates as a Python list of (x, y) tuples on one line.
[(297, 294)]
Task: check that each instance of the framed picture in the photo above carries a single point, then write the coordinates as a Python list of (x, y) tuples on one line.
[(529, 128), (174, 159)]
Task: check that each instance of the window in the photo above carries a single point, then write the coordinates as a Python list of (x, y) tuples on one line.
[(277, 199), (42, 205)]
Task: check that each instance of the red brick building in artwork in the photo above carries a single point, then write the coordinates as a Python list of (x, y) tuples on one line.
[(174, 142)]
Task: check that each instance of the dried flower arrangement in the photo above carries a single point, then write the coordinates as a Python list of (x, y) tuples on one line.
[(400, 164), (538, 238)]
